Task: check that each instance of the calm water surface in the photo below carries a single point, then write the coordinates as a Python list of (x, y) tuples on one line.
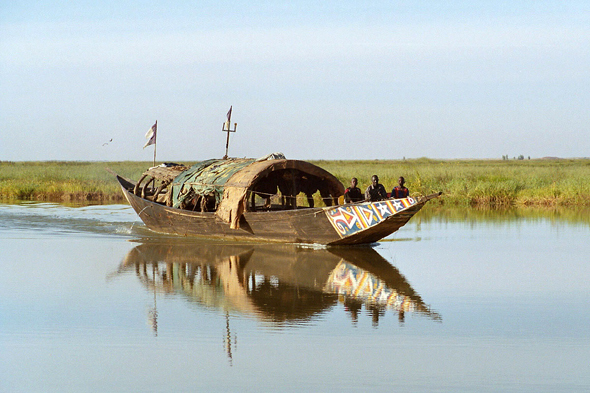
[(91, 301)]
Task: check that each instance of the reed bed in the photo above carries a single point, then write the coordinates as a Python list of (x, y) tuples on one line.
[(65, 181), (478, 183), (492, 183)]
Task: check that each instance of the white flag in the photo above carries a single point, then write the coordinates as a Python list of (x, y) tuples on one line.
[(227, 124), (151, 135)]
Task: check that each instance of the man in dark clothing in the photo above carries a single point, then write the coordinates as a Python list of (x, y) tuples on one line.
[(375, 192), (400, 191), (310, 185), (353, 193)]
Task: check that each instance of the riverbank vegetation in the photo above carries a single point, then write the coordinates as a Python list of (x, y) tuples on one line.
[(480, 183), (65, 181), (494, 183)]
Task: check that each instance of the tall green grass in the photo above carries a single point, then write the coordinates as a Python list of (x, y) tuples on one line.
[(484, 183), (479, 182), (64, 181)]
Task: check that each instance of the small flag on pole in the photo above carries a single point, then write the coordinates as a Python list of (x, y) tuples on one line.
[(151, 135), (228, 121)]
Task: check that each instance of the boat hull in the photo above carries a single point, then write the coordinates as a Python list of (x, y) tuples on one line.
[(340, 225)]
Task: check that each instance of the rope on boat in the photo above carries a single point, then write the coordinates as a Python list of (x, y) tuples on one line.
[(264, 194), (143, 209)]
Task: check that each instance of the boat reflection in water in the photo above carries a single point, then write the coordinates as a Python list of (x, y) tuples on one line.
[(283, 285)]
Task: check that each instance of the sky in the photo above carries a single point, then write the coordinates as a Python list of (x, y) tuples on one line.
[(85, 80)]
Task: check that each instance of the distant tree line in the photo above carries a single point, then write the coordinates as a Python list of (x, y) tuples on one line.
[(520, 157)]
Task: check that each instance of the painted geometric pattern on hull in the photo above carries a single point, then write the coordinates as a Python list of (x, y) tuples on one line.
[(350, 280), (349, 219)]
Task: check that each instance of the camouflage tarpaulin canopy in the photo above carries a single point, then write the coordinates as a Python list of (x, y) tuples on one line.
[(230, 180), (205, 178)]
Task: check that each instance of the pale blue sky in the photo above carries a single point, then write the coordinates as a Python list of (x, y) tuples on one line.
[(314, 80)]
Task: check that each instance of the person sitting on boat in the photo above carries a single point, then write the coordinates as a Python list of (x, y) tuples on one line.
[(264, 189), (288, 184), (310, 185), (400, 191), (353, 193), (376, 191)]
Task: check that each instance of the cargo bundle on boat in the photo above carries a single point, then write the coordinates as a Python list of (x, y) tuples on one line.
[(256, 199)]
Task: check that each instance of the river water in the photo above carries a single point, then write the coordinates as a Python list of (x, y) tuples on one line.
[(92, 301)]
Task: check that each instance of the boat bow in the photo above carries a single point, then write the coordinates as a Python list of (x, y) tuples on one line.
[(367, 222)]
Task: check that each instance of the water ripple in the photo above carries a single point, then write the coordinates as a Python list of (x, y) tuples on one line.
[(57, 219)]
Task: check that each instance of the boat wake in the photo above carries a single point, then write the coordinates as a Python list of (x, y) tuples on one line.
[(54, 219)]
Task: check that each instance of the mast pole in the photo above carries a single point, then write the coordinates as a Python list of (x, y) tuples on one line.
[(226, 127), (155, 143)]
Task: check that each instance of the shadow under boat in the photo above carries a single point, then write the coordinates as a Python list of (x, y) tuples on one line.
[(279, 284)]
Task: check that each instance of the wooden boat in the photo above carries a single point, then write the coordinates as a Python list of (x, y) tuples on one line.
[(222, 199)]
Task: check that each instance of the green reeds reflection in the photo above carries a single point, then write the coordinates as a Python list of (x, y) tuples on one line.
[(579, 215)]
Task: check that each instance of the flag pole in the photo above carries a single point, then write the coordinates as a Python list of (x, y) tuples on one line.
[(155, 143), (152, 137)]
